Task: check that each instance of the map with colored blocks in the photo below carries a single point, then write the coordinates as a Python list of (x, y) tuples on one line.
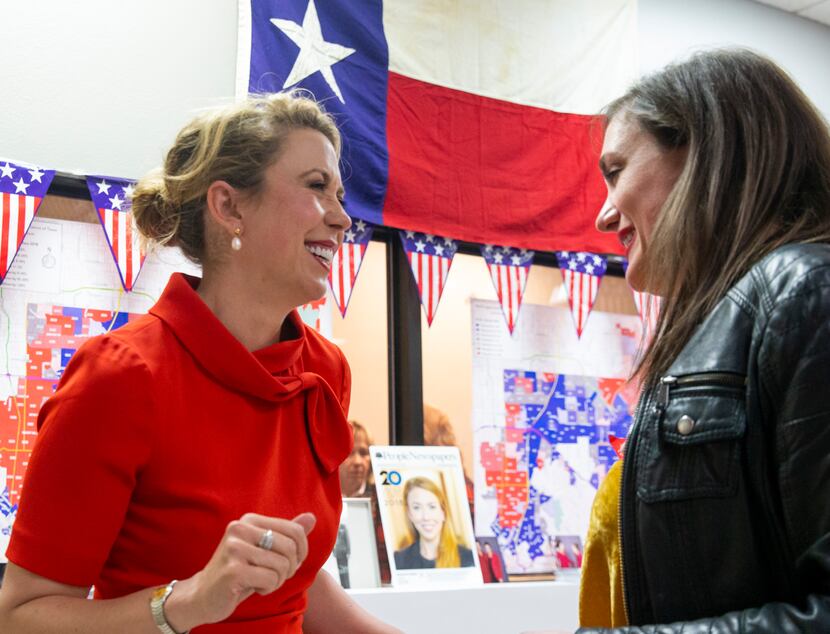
[(545, 404), (555, 447), (54, 333)]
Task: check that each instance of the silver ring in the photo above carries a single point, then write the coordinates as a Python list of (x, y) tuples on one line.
[(267, 540)]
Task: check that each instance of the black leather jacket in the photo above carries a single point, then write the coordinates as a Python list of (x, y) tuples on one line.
[(725, 507)]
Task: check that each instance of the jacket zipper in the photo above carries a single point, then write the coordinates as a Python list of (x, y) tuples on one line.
[(703, 379)]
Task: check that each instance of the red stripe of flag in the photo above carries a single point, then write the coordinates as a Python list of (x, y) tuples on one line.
[(129, 248), (4, 237)]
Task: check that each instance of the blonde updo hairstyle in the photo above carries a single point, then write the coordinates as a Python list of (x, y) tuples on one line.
[(235, 144)]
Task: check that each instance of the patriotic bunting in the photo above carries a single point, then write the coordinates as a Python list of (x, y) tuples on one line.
[(430, 258), (509, 269), (648, 306), (581, 273), (111, 197), (310, 313), (346, 263), (22, 188)]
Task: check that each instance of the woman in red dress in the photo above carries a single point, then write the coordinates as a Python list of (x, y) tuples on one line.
[(202, 441)]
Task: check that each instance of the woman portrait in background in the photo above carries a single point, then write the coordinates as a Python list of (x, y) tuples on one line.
[(431, 542), (201, 442), (718, 173)]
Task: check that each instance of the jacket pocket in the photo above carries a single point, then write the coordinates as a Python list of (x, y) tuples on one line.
[(694, 447)]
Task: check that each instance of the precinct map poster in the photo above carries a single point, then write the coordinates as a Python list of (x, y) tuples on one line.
[(544, 405)]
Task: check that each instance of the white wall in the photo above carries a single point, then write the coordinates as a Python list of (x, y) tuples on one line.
[(674, 28), (101, 86)]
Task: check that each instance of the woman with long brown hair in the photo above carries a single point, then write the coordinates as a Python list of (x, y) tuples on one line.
[(718, 172)]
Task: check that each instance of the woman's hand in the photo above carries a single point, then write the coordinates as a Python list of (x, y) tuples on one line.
[(240, 567)]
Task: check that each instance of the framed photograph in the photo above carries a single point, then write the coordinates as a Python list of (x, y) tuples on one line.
[(425, 515), (354, 561), (491, 561), (567, 550)]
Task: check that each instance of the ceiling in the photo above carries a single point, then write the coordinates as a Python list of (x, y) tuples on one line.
[(817, 10)]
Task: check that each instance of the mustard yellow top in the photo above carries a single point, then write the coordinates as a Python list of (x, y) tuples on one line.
[(600, 591)]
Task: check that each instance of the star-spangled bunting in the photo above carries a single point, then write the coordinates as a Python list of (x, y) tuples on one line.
[(648, 307), (581, 273), (346, 263), (509, 269), (310, 313), (430, 258), (111, 197), (22, 188)]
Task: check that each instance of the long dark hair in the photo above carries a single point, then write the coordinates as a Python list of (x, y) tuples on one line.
[(757, 177)]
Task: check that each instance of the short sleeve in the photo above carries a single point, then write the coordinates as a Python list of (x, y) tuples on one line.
[(94, 439)]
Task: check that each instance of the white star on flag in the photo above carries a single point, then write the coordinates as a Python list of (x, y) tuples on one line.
[(420, 246), (36, 175), (439, 250), (21, 186), (360, 226), (498, 258), (128, 191), (116, 202), (315, 53), (103, 187), (349, 235), (410, 235), (7, 170)]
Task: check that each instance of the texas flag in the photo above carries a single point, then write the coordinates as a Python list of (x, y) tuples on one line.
[(111, 198), (473, 119)]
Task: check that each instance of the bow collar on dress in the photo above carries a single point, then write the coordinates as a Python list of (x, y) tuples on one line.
[(272, 374)]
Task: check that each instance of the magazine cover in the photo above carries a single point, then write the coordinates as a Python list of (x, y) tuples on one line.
[(425, 516)]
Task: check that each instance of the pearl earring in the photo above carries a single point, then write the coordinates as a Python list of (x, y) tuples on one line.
[(236, 242)]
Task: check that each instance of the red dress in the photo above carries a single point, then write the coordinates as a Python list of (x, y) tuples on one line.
[(165, 430)]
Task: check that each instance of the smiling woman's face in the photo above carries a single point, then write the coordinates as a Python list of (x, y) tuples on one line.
[(424, 511), (640, 175)]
